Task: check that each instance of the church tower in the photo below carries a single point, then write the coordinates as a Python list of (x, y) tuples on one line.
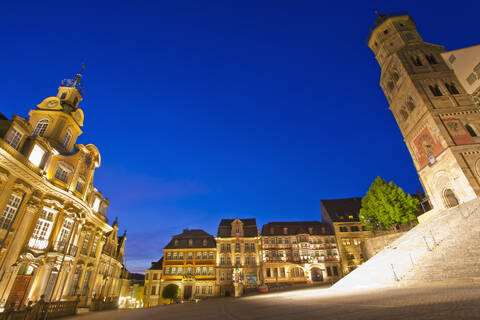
[(438, 119)]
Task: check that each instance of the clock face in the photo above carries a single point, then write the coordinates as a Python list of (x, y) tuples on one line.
[(52, 103)]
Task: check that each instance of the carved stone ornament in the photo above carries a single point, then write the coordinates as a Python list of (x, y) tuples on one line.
[(21, 186), (54, 202)]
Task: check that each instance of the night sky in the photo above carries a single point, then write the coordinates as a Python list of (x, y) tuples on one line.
[(205, 110)]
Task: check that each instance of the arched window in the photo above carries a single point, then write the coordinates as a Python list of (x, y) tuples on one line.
[(452, 89), (470, 130), (67, 138), (449, 198), (404, 114), (395, 76), (416, 61), (75, 101), (410, 104), (41, 128), (63, 96), (391, 85)]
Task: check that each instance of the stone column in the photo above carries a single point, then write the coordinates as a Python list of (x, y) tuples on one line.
[(13, 249)]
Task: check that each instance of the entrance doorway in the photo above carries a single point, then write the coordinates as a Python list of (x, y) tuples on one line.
[(317, 274), (187, 292), (449, 198), (18, 291)]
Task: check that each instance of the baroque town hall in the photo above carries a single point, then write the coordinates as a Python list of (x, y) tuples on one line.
[(55, 240)]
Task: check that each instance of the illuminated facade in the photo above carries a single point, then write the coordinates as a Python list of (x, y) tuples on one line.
[(238, 256), (52, 225), (342, 215), (153, 284), (302, 252), (437, 117), (189, 261)]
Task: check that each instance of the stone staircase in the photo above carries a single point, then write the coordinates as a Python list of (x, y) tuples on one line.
[(445, 247)]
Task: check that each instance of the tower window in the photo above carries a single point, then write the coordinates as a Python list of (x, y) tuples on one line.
[(391, 85), (470, 130), (471, 78), (452, 89), (395, 76), (416, 61), (67, 138), (75, 101), (61, 174), (13, 138), (385, 31), (436, 90), (431, 59), (63, 96), (404, 114), (41, 128), (410, 104)]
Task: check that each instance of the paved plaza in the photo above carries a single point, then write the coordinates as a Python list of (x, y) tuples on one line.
[(432, 302)]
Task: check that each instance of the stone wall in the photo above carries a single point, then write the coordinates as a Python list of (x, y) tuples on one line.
[(372, 246)]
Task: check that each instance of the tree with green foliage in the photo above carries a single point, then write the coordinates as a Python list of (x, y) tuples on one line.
[(386, 205), (170, 292)]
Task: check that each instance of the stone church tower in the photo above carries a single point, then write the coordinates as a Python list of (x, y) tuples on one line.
[(438, 119)]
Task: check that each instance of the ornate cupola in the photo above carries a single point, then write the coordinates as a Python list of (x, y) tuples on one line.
[(58, 119)]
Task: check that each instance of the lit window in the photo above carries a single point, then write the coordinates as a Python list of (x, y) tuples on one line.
[(80, 185), (96, 204), (13, 138), (61, 174), (471, 78), (43, 228), (41, 128), (36, 155), (10, 211), (67, 138)]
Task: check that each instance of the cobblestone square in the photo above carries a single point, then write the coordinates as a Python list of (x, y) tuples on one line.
[(431, 302)]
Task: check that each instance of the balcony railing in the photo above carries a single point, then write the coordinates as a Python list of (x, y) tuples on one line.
[(37, 243), (62, 247)]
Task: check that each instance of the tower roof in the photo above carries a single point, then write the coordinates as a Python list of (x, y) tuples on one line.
[(381, 18)]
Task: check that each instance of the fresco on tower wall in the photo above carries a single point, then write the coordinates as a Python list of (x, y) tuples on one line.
[(427, 148), (458, 132)]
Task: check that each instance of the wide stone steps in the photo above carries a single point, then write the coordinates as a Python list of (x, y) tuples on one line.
[(447, 246)]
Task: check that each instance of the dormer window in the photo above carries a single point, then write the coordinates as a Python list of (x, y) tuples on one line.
[(41, 128), (67, 138), (61, 174), (176, 242), (190, 242), (285, 230), (80, 185), (204, 242), (13, 139), (96, 204), (36, 156)]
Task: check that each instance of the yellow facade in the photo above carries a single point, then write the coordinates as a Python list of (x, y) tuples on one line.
[(56, 240)]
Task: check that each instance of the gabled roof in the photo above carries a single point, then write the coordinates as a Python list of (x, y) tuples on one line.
[(341, 210), (181, 241), (315, 228), (157, 265), (249, 228)]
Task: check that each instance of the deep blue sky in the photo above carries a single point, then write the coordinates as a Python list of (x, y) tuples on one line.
[(205, 110)]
